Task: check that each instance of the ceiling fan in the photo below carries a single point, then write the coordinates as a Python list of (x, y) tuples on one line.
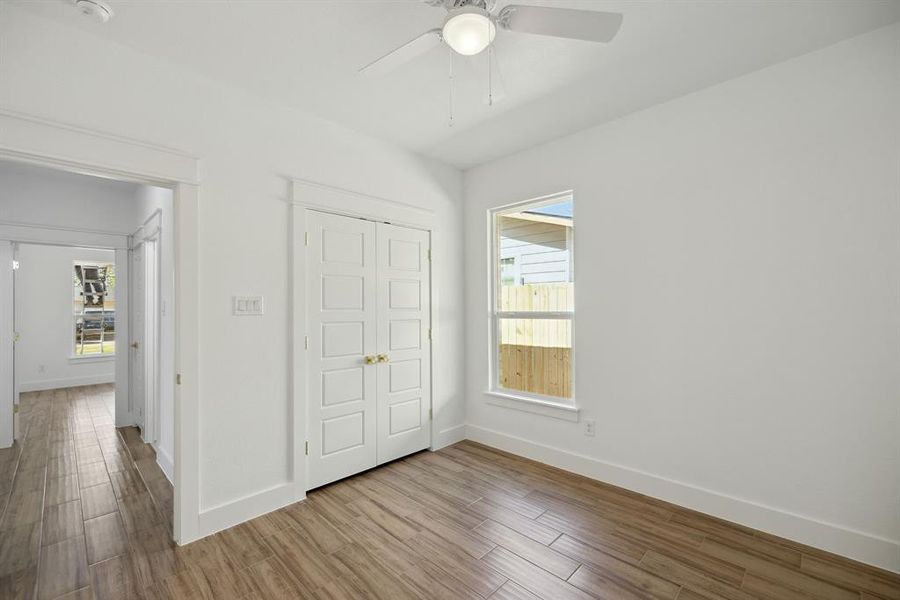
[(471, 25)]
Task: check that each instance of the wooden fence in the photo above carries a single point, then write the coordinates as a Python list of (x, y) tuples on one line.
[(536, 369), (550, 297), (536, 354)]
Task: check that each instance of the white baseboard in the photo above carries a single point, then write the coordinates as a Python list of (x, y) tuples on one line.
[(451, 435), (858, 545), (166, 463), (229, 514), (67, 382)]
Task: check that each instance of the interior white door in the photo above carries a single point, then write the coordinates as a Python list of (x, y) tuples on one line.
[(404, 322), (138, 327), (7, 341), (150, 346), (341, 392)]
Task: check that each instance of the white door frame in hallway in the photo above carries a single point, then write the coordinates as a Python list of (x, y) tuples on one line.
[(38, 141), (73, 238), (137, 385), (7, 342), (146, 326)]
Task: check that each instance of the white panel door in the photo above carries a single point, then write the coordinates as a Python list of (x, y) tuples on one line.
[(138, 328), (7, 341), (404, 353), (341, 369), (150, 339)]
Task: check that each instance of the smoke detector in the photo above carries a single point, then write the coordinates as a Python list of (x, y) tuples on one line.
[(97, 10)]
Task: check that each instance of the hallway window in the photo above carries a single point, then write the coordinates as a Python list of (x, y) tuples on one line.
[(533, 298), (94, 308)]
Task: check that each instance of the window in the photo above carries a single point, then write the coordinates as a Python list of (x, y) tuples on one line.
[(533, 299), (94, 308)]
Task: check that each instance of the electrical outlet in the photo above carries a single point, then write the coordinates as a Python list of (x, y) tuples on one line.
[(590, 427)]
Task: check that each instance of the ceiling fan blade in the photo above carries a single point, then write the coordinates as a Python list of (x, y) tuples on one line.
[(403, 54), (589, 25)]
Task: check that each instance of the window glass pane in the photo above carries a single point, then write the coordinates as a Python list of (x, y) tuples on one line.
[(94, 308), (535, 268), (536, 356), (77, 290)]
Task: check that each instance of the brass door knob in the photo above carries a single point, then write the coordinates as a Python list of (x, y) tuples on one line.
[(383, 358), (134, 345), (370, 360)]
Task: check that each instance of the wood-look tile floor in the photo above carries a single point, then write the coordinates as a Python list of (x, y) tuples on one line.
[(465, 522), (75, 496)]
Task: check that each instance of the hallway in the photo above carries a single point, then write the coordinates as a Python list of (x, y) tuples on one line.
[(76, 496)]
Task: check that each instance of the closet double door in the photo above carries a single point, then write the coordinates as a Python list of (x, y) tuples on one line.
[(368, 362)]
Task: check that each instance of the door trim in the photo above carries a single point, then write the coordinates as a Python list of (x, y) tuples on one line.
[(31, 139), (308, 195), (76, 238), (7, 344)]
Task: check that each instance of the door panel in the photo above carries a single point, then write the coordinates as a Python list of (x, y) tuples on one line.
[(404, 320), (150, 338), (138, 325), (340, 290)]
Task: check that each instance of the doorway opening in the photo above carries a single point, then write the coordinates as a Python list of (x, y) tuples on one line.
[(87, 346)]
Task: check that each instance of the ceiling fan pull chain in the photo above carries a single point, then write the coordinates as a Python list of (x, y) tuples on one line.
[(450, 90), (490, 75)]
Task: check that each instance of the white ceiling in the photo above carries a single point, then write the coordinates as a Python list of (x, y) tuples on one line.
[(306, 53)]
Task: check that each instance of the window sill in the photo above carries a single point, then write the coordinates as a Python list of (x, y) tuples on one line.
[(539, 406), (90, 358)]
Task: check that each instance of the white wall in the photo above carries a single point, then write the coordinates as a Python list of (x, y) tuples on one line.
[(738, 299), (44, 320), (249, 151), (151, 199), (33, 195)]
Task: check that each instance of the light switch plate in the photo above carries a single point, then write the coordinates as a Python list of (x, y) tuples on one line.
[(246, 306)]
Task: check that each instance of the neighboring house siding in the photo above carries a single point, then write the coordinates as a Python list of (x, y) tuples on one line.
[(537, 249)]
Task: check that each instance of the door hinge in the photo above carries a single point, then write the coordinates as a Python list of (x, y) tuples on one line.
[(429, 254), (16, 337), (430, 414), (306, 342), (429, 334), (306, 238), (15, 408), (306, 448), (178, 379)]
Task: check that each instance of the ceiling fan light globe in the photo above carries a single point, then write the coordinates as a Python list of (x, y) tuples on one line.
[(98, 10), (468, 30)]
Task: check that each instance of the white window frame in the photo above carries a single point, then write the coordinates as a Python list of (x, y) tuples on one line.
[(553, 406), (74, 356)]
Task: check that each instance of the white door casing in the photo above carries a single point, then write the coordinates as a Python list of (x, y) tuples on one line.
[(7, 341), (404, 323), (341, 271), (15, 327), (69, 147)]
